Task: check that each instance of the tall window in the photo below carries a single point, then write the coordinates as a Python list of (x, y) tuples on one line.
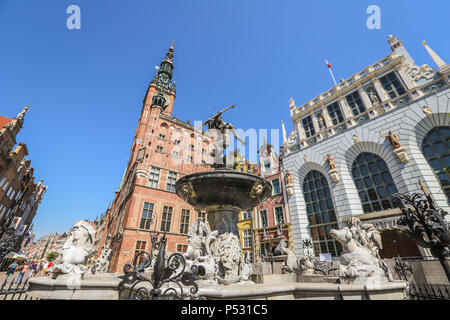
[(154, 177), (246, 215), (202, 216), (146, 218), (436, 149), (184, 223), (159, 149), (374, 183), (321, 213), (279, 214), (140, 246), (308, 126), (166, 218), (355, 103), (335, 113), (263, 215), (171, 179), (392, 85), (276, 186), (247, 238)]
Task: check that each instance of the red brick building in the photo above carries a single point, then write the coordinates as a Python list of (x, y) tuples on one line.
[(164, 149)]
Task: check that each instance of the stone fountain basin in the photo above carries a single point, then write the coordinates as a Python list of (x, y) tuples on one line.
[(222, 189)]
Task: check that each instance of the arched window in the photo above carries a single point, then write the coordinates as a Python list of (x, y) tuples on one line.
[(374, 183), (321, 213), (436, 149)]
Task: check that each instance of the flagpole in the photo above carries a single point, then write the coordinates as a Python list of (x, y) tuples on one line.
[(331, 72)]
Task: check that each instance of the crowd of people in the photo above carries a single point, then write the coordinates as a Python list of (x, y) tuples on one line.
[(30, 269)]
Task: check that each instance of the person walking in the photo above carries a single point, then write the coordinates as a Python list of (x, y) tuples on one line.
[(11, 269), (32, 270), (22, 269), (44, 269), (48, 268), (37, 267)]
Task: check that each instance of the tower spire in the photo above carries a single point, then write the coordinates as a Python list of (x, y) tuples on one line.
[(164, 75), (439, 62), (284, 132)]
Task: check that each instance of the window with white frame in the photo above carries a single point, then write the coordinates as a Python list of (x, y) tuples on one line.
[(184, 222), (276, 189), (171, 180), (246, 215), (154, 177), (392, 85), (166, 218), (146, 218), (279, 214), (308, 126), (247, 238), (263, 216)]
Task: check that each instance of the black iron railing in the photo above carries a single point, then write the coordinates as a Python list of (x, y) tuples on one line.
[(15, 291)]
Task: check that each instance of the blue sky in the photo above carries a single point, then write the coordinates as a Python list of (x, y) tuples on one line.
[(85, 87)]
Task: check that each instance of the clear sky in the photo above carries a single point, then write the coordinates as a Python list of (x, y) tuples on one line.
[(85, 87)]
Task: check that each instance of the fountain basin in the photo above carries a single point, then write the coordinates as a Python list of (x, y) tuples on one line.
[(223, 189)]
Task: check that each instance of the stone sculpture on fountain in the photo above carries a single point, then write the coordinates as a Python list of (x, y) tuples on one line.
[(360, 259), (101, 264), (72, 257), (199, 252)]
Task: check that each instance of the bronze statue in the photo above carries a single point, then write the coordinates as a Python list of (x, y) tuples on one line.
[(216, 122), (330, 161), (393, 139)]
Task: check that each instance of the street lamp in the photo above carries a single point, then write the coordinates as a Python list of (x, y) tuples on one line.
[(426, 224)]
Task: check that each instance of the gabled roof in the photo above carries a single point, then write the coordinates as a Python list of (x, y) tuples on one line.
[(4, 121)]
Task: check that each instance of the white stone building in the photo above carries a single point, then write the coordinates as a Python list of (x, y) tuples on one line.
[(343, 164)]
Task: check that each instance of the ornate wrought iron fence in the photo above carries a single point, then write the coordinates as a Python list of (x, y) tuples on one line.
[(15, 291), (418, 288), (428, 292)]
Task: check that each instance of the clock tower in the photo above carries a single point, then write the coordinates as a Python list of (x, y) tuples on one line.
[(161, 91)]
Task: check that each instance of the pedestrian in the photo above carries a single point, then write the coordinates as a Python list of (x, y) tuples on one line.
[(12, 267), (262, 258), (48, 267), (44, 269), (32, 270), (22, 269), (39, 268)]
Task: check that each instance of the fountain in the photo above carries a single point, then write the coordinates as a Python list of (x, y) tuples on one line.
[(223, 193)]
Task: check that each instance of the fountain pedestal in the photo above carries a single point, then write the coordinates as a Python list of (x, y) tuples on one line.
[(223, 194)]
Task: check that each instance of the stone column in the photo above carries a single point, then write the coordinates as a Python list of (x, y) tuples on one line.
[(301, 131), (301, 134), (328, 122), (366, 101), (315, 122), (347, 111), (380, 90)]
